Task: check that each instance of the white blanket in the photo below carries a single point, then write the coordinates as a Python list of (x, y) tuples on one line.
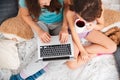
[(99, 68)]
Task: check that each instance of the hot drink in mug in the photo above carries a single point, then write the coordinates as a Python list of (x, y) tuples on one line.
[(80, 26)]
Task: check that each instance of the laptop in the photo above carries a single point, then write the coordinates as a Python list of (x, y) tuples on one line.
[(54, 50)]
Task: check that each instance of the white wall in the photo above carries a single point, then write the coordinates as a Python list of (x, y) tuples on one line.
[(112, 4)]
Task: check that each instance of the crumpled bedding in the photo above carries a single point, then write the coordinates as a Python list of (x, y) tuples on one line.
[(99, 68)]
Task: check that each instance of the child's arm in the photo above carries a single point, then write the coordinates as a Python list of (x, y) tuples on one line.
[(70, 18), (44, 36), (64, 30)]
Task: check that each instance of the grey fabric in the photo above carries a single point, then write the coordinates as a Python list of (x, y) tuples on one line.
[(52, 29), (8, 8), (55, 28), (117, 58)]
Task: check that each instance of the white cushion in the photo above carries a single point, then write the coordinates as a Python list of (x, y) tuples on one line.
[(8, 54)]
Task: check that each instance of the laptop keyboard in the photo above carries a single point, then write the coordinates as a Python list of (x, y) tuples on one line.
[(55, 50)]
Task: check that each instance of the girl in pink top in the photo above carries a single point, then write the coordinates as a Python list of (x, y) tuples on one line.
[(91, 12)]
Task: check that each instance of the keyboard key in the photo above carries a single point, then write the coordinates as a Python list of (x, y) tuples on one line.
[(55, 50)]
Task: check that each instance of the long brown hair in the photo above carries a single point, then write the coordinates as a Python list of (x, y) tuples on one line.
[(35, 9), (87, 9)]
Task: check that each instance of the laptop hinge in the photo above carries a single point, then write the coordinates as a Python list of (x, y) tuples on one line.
[(56, 58)]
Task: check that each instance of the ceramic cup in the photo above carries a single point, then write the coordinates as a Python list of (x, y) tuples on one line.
[(80, 26)]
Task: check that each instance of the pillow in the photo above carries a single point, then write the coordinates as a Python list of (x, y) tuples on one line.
[(8, 54), (8, 8)]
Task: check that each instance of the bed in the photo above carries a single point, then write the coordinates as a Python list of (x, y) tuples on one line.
[(99, 68)]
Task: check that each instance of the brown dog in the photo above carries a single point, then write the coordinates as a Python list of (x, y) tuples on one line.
[(114, 34)]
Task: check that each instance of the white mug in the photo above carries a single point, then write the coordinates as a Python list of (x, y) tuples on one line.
[(80, 26)]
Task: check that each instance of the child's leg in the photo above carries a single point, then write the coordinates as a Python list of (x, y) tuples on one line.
[(74, 64), (101, 43), (34, 67), (77, 62), (49, 67)]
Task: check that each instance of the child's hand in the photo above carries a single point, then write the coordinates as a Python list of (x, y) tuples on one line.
[(63, 35), (44, 36), (84, 55)]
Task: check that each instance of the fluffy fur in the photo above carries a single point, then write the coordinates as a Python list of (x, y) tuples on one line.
[(114, 34), (16, 26), (111, 16)]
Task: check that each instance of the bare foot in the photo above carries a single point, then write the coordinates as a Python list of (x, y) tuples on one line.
[(72, 64), (76, 63)]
